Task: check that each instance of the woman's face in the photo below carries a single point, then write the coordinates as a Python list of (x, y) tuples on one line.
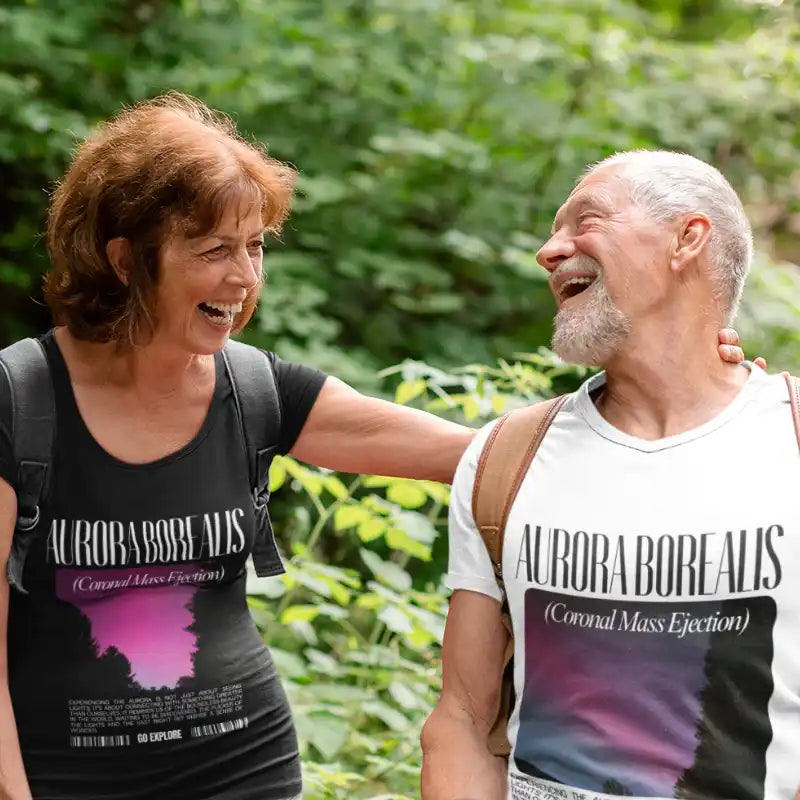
[(204, 281)]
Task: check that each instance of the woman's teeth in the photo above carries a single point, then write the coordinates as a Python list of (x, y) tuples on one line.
[(221, 314)]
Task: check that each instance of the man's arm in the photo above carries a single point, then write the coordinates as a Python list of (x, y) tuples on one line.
[(351, 432), (13, 783), (456, 762)]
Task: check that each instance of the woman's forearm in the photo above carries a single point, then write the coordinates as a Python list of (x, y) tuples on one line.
[(351, 432)]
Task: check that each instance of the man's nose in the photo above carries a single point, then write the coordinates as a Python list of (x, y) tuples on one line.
[(556, 249)]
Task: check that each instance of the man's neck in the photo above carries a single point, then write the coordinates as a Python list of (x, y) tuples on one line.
[(668, 382)]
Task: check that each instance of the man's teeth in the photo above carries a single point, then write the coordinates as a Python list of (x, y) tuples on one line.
[(581, 280)]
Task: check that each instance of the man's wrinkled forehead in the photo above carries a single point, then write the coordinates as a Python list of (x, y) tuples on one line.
[(600, 191)]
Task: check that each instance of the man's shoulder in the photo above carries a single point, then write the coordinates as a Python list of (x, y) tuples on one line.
[(535, 415)]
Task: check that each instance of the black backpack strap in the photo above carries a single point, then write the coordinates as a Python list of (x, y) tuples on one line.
[(33, 426), (258, 407)]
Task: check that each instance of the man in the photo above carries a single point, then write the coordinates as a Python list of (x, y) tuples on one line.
[(656, 622)]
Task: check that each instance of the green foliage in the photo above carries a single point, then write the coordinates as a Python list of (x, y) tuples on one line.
[(434, 139), (768, 319), (358, 645)]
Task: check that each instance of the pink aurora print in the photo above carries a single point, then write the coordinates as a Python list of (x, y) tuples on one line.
[(145, 613)]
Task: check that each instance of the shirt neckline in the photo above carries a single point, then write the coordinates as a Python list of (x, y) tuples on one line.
[(64, 390), (756, 380)]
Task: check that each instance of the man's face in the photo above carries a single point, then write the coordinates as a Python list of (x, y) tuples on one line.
[(603, 257)]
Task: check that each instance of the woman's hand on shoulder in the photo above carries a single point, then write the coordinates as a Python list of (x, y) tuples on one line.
[(730, 350)]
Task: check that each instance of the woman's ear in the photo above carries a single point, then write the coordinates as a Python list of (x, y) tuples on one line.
[(118, 252)]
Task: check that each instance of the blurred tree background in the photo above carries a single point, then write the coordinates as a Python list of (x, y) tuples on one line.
[(434, 140)]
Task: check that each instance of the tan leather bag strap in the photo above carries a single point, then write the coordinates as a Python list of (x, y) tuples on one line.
[(502, 465), (794, 397)]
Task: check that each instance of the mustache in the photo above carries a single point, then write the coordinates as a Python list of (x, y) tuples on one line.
[(577, 263)]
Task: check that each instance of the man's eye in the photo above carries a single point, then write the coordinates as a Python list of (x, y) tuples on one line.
[(256, 245), (215, 251)]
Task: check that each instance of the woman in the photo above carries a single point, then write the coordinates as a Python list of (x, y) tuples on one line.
[(137, 673)]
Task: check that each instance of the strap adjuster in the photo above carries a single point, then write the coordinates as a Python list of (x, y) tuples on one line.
[(28, 523)]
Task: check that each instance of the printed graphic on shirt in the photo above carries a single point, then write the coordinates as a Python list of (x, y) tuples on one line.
[(137, 586), (157, 717), (682, 565), (647, 687), (646, 698)]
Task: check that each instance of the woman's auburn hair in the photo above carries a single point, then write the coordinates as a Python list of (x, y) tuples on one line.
[(163, 166)]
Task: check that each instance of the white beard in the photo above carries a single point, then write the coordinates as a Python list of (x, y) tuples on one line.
[(592, 333)]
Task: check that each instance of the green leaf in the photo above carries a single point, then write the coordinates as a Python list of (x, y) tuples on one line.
[(417, 526), (370, 601), (327, 734), (400, 540), (272, 587), (338, 592), (311, 483), (404, 697), (277, 475), (312, 582), (290, 665), (395, 619), (499, 403), (335, 486), (372, 528), (338, 693), (386, 571), (377, 481), (322, 662), (419, 638), (408, 390), (392, 718), (470, 407), (332, 611), (347, 577), (436, 491), (348, 516), (305, 629), (299, 613), (406, 494)]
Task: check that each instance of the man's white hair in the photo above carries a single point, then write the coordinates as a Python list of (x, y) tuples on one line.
[(668, 184)]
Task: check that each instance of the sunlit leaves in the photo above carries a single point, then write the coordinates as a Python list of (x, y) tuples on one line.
[(406, 494), (408, 390), (386, 571), (277, 475)]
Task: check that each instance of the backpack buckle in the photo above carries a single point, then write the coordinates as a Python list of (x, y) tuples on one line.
[(25, 524)]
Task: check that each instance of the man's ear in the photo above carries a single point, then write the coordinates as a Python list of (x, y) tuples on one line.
[(118, 252), (691, 239)]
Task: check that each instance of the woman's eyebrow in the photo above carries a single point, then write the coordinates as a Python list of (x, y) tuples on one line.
[(227, 238)]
